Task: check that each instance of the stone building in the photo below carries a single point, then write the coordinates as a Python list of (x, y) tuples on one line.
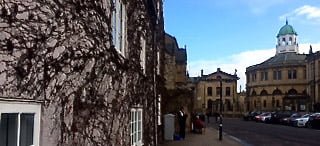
[(175, 63), (175, 76), (280, 82), (313, 79), (80, 72), (207, 91), (240, 106), (177, 94)]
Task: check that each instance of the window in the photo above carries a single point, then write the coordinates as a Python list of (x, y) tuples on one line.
[(264, 103), (209, 91), (263, 93), (290, 40), (19, 124), (159, 109), (283, 41), (277, 92), (254, 93), (264, 76), (218, 91), (254, 77), (143, 54), (119, 26), (228, 91), (292, 92), (277, 75), (292, 74), (136, 127), (273, 101), (278, 103)]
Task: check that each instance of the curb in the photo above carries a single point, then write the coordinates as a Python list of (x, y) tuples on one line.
[(238, 140)]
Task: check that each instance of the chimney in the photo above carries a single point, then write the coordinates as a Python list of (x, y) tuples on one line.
[(201, 72), (218, 70)]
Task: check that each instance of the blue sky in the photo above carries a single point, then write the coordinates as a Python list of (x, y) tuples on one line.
[(234, 34)]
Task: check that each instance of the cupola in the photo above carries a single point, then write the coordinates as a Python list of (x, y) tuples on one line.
[(287, 40)]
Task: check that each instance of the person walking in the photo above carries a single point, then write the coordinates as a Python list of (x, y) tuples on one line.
[(182, 117)]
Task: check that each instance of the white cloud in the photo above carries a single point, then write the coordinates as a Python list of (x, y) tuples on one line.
[(304, 13), (260, 6), (240, 62)]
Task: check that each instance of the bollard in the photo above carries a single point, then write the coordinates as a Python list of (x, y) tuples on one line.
[(220, 129)]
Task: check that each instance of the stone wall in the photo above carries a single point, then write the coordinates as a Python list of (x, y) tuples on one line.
[(61, 54)]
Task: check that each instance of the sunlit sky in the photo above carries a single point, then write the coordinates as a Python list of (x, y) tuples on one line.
[(235, 34)]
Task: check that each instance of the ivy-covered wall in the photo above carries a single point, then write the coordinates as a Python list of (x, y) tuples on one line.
[(60, 53)]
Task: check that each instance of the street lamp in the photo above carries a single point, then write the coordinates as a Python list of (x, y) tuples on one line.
[(220, 119)]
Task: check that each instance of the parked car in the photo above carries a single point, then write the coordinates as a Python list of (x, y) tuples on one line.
[(292, 118), (314, 121), (301, 122), (267, 118), (262, 117), (280, 117), (251, 115)]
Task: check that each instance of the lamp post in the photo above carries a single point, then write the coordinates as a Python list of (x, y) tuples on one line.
[(220, 119)]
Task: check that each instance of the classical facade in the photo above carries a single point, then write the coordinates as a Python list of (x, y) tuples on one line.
[(207, 91), (80, 72), (280, 82)]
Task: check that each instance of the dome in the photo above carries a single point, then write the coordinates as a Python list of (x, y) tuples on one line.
[(286, 29)]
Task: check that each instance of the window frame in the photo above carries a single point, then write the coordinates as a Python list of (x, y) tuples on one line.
[(135, 120), (218, 91), (209, 91), (264, 75), (292, 74), (118, 24), (277, 75), (22, 108), (143, 57), (228, 91)]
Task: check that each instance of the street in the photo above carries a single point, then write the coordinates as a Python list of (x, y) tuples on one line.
[(253, 133)]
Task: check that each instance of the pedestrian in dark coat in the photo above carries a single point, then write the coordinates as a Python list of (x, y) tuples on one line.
[(182, 117)]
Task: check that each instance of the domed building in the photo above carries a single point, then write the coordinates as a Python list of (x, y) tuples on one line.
[(280, 82)]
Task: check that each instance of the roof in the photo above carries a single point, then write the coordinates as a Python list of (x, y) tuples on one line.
[(213, 76), (286, 29), (171, 44), (181, 56), (279, 60)]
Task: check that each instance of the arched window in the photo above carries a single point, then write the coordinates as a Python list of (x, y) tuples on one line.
[(263, 93), (283, 41), (290, 41), (253, 93), (277, 92), (292, 92)]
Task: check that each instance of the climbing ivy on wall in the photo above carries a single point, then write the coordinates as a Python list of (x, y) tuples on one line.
[(60, 52)]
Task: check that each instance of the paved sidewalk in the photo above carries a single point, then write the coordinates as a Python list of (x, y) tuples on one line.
[(209, 138)]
